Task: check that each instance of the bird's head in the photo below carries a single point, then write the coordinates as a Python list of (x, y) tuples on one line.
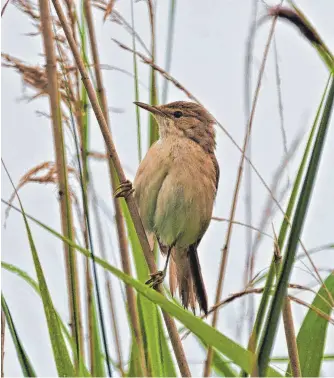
[(184, 119)]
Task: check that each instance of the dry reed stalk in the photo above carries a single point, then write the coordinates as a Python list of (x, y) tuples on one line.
[(72, 89), (318, 277), (165, 74), (70, 4), (50, 176), (109, 9), (259, 230), (313, 308), (289, 328), (130, 201), (260, 290), (121, 234), (36, 77), (64, 196), (222, 269), (290, 336), (98, 155), (29, 8)]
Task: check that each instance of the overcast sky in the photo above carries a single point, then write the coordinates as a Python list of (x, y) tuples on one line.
[(209, 60)]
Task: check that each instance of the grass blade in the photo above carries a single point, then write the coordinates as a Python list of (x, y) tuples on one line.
[(61, 355), (297, 225), (149, 323), (134, 368), (31, 282), (21, 273), (27, 369)]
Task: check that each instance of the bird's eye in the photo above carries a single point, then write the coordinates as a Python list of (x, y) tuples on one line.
[(178, 114)]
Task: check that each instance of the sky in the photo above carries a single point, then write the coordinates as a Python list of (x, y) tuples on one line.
[(209, 60)]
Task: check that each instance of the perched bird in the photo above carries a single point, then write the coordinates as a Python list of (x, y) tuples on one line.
[(175, 188)]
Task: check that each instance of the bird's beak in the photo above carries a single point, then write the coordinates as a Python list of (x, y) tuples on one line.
[(152, 109)]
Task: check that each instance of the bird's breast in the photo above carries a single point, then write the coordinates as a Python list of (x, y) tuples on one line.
[(175, 191)]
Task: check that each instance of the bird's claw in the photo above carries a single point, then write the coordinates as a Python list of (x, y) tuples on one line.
[(124, 189), (156, 279)]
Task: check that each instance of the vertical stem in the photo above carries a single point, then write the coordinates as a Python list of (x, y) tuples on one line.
[(176, 343), (169, 48), (135, 71), (64, 195), (89, 299), (290, 336), (130, 201), (122, 240), (70, 4), (153, 124), (83, 125)]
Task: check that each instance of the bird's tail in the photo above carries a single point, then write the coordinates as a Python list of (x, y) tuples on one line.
[(185, 273)]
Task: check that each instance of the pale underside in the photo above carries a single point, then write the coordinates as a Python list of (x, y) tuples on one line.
[(175, 191)]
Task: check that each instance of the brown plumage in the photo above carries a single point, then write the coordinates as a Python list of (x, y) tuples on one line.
[(175, 189)]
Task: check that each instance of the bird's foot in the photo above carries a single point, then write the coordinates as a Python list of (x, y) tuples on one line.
[(156, 279), (124, 189)]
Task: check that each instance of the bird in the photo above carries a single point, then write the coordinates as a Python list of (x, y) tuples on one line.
[(175, 189)]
